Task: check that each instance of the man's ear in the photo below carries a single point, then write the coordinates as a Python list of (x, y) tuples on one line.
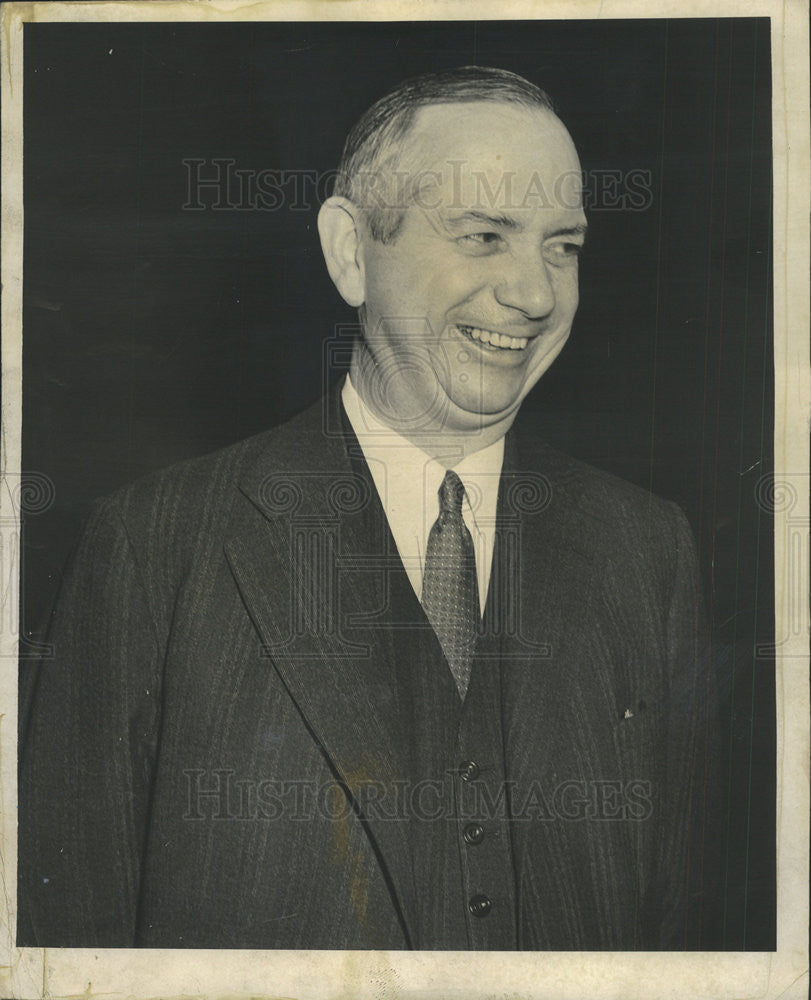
[(339, 229)]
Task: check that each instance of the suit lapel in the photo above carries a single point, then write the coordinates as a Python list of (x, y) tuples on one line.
[(542, 586), (542, 566), (308, 554)]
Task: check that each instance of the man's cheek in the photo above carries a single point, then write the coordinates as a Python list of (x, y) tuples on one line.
[(451, 288), (571, 291)]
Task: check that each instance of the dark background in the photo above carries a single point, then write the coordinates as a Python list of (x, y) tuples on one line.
[(153, 333)]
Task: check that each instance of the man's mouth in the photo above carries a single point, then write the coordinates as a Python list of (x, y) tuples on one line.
[(492, 341)]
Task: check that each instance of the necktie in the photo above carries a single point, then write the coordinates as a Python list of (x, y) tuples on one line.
[(450, 592)]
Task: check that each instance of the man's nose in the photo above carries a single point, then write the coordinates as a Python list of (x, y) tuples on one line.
[(525, 285)]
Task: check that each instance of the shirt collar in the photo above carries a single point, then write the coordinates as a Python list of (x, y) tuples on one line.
[(405, 464), (407, 481)]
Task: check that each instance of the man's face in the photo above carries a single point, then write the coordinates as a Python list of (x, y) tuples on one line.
[(475, 297)]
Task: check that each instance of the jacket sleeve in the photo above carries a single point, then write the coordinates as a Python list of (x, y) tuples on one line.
[(87, 751), (692, 795)]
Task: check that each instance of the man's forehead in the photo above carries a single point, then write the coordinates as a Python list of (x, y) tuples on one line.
[(491, 156), (489, 128)]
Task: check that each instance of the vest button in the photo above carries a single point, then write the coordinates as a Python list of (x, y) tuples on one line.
[(473, 833), (479, 906), (468, 770)]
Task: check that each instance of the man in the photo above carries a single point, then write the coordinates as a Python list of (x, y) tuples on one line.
[(394, 674)]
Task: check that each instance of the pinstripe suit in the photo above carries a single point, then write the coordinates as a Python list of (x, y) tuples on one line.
[(210, 674)]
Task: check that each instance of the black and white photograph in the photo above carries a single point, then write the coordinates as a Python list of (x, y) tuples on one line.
[(402, 508)]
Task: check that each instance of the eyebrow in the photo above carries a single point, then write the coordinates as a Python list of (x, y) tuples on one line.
[(508, 222), (579, 230), (498, 221)]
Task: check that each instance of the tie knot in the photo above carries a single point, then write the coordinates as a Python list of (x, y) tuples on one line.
[(451, 494)]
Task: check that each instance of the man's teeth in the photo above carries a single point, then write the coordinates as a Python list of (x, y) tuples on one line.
[(495, 339)]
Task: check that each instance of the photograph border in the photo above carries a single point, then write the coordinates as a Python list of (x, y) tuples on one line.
[(168, 973)]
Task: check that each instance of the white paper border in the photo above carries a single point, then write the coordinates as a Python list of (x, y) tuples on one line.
[(320, 975)]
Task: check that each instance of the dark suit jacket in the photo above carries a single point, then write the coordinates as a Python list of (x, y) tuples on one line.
[(196, 672)]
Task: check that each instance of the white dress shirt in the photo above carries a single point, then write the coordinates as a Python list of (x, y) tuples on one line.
[(408, 480)]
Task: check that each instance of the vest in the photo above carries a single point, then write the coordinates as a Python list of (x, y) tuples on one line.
[(454, 794)]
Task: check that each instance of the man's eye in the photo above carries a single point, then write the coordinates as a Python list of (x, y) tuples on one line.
[(562, 252), (482, 239)]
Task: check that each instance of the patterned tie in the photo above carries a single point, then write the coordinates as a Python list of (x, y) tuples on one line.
[(450, 591)]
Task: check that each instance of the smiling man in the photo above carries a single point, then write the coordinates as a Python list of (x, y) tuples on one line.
[(474, 281), (395, 674)]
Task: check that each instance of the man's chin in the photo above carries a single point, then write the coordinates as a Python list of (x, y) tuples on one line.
[(479, 410), (496, 396)]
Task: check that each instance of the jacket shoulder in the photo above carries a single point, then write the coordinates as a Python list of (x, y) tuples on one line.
[(609, 512), (195, 488)]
